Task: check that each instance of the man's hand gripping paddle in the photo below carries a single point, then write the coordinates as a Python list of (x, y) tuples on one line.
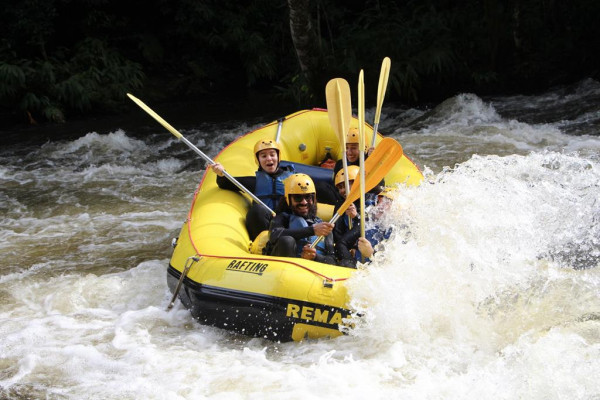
[(379, 163)]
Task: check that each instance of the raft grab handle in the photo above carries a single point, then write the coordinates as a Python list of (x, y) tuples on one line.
[(188, 264)]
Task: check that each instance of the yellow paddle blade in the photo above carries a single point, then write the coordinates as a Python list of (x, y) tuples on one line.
[(339, 107), (154, 115), (379, 163), (383, 81)]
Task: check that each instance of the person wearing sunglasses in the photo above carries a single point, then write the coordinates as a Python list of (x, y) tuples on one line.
[(296, 225), (267, 184)]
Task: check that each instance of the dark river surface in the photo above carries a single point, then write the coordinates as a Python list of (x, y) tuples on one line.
[(491, 289)]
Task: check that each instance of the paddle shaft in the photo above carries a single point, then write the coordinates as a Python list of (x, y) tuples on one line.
[(333, 220), (362, 190), (346, 181), (279, 126), (381, 161), (361, 145), (375, 128), (226, 174), (206, 158)]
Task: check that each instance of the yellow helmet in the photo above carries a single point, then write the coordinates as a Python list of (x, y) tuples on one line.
[(352, 136), (353, 171), (298, 184), (387, 192), (264, 144)]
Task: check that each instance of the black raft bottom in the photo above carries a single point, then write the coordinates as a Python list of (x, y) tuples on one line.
[(247, 313)]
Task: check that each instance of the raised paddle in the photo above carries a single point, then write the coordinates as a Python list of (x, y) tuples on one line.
[(361, 145), (379, 163), (339, 110), (193, 147), (383, 81)]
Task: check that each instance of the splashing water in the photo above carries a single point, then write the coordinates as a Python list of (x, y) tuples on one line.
[(488, 287)]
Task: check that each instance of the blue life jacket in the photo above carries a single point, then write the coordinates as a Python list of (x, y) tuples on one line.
[(269, 189), (297, 222), (370, 199)]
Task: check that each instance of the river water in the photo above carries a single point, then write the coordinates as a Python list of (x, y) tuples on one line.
[(489, 288)]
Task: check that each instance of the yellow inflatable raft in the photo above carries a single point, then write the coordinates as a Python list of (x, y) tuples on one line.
[(225, 284)]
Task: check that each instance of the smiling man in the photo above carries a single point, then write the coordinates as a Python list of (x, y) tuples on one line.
[(296, 225)]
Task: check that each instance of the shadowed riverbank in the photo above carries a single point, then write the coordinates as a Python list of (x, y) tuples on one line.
[(181, 114)]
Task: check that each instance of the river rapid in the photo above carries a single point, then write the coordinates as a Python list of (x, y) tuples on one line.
[(489, 287)]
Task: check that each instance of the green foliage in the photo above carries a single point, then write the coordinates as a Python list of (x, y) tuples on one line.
[(416, 37), (13, 78), (98, 75), (95, 77), (297, 89), (59, 58), (224, 46)]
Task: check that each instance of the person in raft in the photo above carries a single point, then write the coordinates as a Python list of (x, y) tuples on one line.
[(296, 225), (342, 226), (267, 184), (352, 151), (327, 191), (351, 247)]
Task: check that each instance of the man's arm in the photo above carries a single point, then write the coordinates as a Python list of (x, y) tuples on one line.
[(344, 244), (278, 228)]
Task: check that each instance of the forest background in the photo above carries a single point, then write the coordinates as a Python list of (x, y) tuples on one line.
[(65, 59)]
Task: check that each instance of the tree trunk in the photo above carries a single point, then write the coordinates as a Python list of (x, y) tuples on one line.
[(304, 37)]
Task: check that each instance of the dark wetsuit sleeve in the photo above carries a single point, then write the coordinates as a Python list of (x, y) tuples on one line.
[(344, 244), (278, 229), (339, 228), (339, 164), (340, 225), (326, 192), (249, 182)]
